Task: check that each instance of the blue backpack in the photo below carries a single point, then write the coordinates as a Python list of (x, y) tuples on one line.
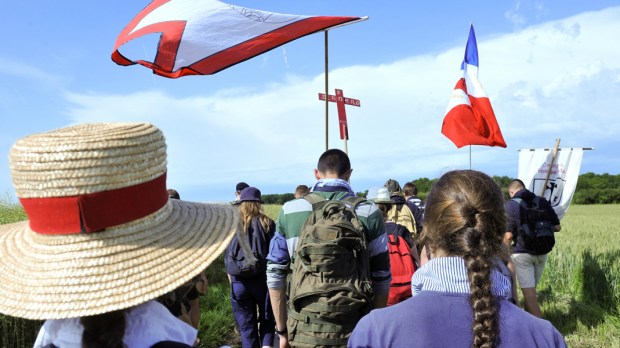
[(235, 260)]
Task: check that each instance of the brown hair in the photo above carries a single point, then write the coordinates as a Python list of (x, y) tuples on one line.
[(465, 217), (516, 185), (301, 190), (104, 330), (249, 210), (410, 189), (384, 208)]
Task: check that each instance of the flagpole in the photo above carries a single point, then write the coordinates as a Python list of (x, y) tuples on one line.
[(555, 152), (346, 133), (469, 157), (326, 92)]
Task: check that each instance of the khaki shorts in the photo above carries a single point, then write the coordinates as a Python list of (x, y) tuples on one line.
[(528, 269)]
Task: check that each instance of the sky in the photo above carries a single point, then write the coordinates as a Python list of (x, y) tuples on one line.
[(550, 68)]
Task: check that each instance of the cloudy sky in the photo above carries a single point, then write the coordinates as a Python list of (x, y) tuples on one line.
[(551, 70)]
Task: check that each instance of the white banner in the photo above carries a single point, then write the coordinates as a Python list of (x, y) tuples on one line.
[(535, 164)]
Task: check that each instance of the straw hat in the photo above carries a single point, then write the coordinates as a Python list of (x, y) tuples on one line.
[(102, 234)]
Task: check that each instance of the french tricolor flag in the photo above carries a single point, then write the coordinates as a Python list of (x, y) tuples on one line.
[(470, 119)]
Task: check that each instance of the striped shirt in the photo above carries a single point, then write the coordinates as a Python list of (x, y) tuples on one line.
[(288, 229), (449, 274)]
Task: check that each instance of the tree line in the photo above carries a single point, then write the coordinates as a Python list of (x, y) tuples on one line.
[(591, 189)]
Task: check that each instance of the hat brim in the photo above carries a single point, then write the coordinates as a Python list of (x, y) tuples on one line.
[(382, 200), (66, 276), (248, 200)]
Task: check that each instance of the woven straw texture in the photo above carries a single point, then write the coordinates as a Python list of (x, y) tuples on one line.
[(87, 158), (65, 276)]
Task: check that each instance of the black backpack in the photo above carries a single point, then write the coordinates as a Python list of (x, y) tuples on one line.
[(234, 258), (535, 230)]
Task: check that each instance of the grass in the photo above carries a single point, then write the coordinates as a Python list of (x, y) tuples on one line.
[(15, 332), (580, 287), (216, 320), (579, 291), (10, 212)]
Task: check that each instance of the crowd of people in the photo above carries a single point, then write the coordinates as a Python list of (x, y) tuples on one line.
[(110, 257)]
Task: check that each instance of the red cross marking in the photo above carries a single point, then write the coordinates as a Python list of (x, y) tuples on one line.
[(341, 101)]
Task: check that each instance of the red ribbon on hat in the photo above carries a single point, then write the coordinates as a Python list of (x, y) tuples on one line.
[(97, 211)]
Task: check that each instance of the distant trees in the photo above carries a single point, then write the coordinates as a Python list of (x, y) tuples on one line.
[(277, 198), (597, 189), (591, 189)]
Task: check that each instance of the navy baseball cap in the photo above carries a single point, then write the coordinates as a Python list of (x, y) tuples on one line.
[(240, 186)]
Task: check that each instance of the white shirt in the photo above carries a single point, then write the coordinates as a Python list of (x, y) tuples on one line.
[(146, 324)]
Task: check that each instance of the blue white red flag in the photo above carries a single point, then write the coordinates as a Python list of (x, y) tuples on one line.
[(202, 37), (470, 119)]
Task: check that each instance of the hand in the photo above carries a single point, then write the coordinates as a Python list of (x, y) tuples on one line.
[(284, 341)]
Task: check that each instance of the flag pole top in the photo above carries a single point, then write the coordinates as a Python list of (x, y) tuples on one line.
[(361, 19)]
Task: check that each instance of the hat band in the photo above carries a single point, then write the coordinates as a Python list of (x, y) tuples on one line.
[(97, 211)]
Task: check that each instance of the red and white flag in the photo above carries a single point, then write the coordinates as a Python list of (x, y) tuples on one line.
[(202, 37), (470, 119)]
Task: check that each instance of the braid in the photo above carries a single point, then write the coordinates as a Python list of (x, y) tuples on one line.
[(104, 330), (465, 217), (478, 260)]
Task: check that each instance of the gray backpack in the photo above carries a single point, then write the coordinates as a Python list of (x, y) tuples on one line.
[(329, 287)]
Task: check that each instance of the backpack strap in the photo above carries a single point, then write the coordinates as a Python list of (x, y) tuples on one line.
[(313, 198), (522, 206), (354, 201)]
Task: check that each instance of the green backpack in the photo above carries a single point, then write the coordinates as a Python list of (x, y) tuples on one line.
[(329, 287)]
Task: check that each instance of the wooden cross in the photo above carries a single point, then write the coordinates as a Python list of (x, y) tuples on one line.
[(341, 101)]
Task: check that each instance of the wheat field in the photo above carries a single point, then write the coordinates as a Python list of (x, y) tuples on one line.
[(579, 291)]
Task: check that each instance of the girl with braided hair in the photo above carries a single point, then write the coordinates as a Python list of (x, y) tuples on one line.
[(459, 297)]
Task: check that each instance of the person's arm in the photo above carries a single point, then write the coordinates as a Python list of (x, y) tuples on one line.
[(380, 299), (513, 277), (194, 312), (278, 265), (553, 216), (278, 304), (380, 272), (508, 236)]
